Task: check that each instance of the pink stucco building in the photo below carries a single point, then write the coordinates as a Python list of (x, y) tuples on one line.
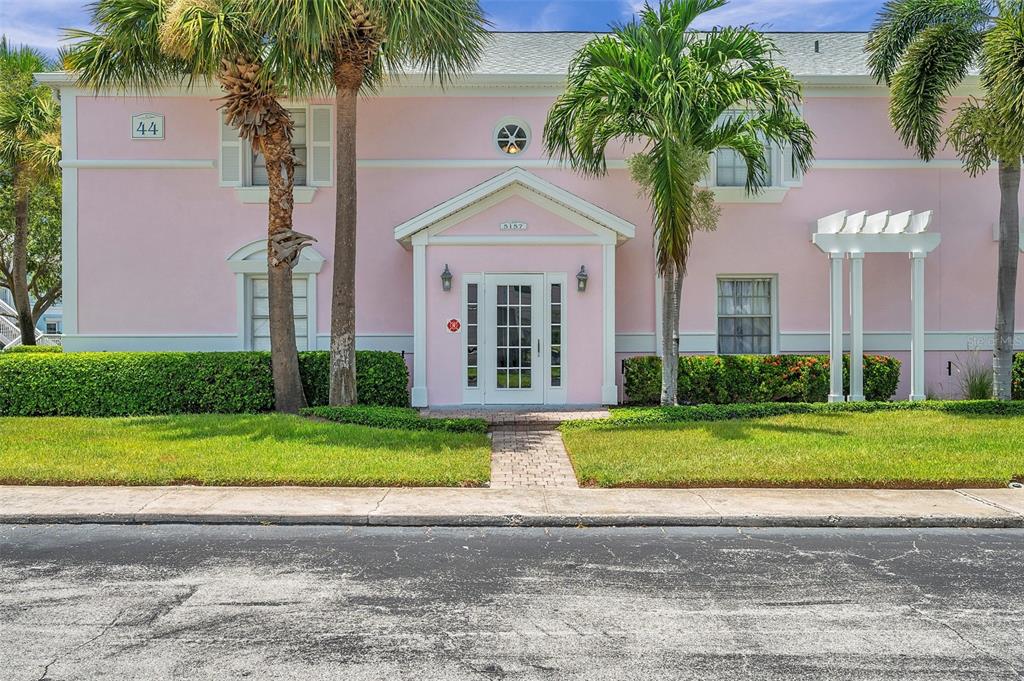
[(164, 216)]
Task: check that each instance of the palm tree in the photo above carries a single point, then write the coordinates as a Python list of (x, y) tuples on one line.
[(348, 47), (29, 153), (682, 95), (923, 49), (143, 45)]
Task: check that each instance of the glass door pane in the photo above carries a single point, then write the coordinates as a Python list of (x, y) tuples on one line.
[(514, 319)]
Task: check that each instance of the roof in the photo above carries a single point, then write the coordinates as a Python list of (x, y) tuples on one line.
[(549, 54)]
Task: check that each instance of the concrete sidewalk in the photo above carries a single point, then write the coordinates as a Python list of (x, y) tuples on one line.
[(514, 507)]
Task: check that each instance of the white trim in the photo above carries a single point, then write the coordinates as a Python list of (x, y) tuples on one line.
[(419, 323), (497, 240), (251, 259), (140, 164), (856, 327), (382, 342), (835, 393), (817, 343), (526, 84), (609, 388), (552, 394), (917, 342), (886, 164), (69, 210), (473, 395), (740, 195), (251, 194), (523, 183), (150, 343)]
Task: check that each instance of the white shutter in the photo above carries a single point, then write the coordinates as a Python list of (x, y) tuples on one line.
[(231, 158), (791, 177), (320, 146)]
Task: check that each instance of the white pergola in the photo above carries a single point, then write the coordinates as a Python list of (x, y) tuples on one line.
[(855, 234)]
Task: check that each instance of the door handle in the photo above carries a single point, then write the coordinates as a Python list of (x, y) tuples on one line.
[(538, 346)]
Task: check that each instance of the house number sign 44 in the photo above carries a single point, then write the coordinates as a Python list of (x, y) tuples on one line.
[(147, 126)]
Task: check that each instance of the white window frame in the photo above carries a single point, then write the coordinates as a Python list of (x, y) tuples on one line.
[(774, 193), (773, 280), (310, 280), (246, 192), (512, 120), (474, 394), (251, 260), (250, 161)]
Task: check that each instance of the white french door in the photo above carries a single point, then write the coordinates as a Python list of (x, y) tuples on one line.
[(514, 358)]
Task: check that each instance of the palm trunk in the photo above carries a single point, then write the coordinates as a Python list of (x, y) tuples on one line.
[(1006, 292), (671, 284), (343, 298), (22, 301), (284, 355)]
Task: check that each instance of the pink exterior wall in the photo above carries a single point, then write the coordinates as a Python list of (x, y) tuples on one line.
[(153, 243)]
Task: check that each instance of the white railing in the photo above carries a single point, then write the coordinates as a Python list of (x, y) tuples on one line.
[(10, 334)]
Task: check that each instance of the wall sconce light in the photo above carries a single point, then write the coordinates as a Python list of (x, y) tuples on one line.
[(581, 279), (446, 279)]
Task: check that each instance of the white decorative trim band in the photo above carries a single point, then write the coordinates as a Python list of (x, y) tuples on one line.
[(262, 194), (818, 343), (139, 164)]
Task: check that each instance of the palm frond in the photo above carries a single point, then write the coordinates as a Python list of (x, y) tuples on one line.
[(900, 22), (1002, 76), (974, 133), (123, 53), (936, 61)]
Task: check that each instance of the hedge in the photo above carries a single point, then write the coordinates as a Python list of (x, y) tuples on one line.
[(728, 379), (395, 418), (1018, 376), (636, 416), (139, 383), (22, 349)]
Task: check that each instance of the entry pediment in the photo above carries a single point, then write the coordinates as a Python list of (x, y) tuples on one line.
[(515, 187)]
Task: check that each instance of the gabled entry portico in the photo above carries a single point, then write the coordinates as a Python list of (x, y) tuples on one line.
[(514, 296)]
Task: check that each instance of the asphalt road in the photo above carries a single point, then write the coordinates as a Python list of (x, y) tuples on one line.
[(89, 602)]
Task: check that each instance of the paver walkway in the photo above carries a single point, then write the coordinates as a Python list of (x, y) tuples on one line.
[(526, 447)]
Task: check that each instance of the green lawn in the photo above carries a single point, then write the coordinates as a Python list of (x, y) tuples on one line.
[(878, 449), (265, 449)]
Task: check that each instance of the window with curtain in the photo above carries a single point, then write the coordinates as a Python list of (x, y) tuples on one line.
[(745, 309)]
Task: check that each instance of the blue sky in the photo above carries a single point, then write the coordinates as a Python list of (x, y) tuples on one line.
[(39, 22)]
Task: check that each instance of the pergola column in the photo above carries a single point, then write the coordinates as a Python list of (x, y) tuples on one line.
[(856, 327), (917, 326), (835, 393)]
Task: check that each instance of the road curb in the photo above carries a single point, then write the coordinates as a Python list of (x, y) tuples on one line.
[(507, 521)]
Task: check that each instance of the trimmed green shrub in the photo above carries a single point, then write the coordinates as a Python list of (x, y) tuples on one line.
[(1018, 376), (138, 383), (382, 378), (636, 416), (24, 349), (729, 379), (395, 418)]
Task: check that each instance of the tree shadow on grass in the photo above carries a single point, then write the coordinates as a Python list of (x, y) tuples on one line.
[(746, 430), (294, 430)]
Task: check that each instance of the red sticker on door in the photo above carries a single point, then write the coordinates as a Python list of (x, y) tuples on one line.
[(454, 325)]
